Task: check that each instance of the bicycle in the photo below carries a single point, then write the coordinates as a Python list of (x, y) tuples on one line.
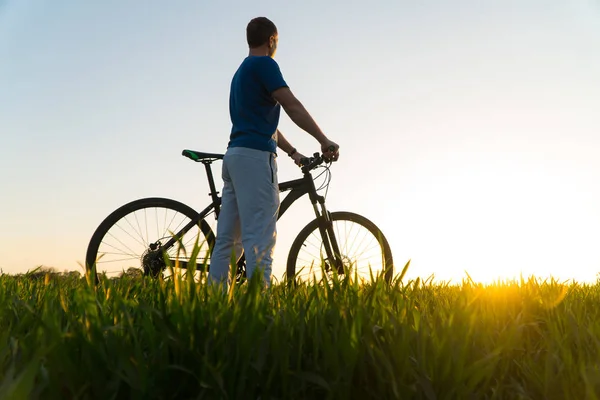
[(157, 251)]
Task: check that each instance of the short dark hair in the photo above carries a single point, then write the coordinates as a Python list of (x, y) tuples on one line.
[(259, 30)]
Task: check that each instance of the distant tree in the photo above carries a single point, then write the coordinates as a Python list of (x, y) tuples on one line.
[(42, 271), (131, 273)]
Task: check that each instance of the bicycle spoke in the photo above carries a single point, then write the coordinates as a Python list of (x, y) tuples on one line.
[(365, 235), (140, 241), (119, 260), (156, 218), (145, 240), (346, 234), (127, 247), (174, 230), (146, 217), (318, 238), (165, 220), (164, 234), (133, 256)]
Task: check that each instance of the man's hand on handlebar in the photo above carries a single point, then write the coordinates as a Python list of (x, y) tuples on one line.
[(330, 153), (331, 150), (297, 157)]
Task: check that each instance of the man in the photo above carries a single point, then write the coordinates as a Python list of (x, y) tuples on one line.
[(250, 197)]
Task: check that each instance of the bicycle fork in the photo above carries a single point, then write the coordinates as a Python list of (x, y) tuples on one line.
[(328, 235)]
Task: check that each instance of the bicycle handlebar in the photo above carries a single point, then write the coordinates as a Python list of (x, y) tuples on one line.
[(309, 163)]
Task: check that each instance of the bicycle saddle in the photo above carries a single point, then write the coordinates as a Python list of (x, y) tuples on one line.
[(200, 156)]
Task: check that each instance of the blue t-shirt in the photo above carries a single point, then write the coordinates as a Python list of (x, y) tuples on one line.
[(254, 113)]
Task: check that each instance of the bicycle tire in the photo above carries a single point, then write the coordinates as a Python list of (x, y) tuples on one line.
[(136, 205), (386, 252)]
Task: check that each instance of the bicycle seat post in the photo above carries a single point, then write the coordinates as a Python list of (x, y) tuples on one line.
[(211, 182)]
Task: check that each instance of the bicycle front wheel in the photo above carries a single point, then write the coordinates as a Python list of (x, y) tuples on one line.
[(363, 247), (133, 238)]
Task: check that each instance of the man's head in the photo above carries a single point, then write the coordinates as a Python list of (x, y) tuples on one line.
[(262, 33)]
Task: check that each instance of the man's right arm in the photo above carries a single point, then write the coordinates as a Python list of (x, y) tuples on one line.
[(297, 113)]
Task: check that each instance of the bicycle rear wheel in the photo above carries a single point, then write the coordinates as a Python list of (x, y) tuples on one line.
[(134, 235), (363, 247)]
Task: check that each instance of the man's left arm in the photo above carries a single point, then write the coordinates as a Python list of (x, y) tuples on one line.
[(286, 146)]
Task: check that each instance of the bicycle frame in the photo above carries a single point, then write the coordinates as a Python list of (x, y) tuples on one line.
[(298, 188)]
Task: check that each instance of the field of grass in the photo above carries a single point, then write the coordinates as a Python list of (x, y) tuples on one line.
[(135, 338)]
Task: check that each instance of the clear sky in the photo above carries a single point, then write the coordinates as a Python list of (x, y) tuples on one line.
[(469, 130)]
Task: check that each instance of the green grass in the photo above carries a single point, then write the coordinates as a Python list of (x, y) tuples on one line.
[(148, 339)]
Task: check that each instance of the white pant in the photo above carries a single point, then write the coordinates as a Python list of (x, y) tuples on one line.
[(249, 209)]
